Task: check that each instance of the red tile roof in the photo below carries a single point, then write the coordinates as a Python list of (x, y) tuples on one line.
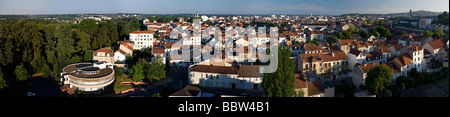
[(384, 49), (106, 50), (414, 47), (347, 42), (215, 69), (435, 44), (142, 32), (310, 47), (403, 59), (367, 67), (158, 51)]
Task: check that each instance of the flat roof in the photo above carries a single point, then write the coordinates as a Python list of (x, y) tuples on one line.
[(74, 67)]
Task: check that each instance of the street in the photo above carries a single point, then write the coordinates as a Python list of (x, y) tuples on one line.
[(173, 80), (41, 86)]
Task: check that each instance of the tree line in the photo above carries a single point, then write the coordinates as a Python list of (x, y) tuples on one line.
[(31, 46)]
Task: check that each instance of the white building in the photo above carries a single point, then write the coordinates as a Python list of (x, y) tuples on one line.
[(360, 73), (424, 23), (416, 53), (225, 76), (356, 56), (142, 39)]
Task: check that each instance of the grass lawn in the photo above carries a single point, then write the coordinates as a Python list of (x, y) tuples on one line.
[(118, 86)]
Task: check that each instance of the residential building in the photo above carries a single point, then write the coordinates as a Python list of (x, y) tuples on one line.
[(345, 45), (331, 66), (103, 54), (159, 52), (309, 88), (436, 48), (142, 39), (415, 51), (125, 49), (355, 56), (395, 49), (359, 73), (310, 49)]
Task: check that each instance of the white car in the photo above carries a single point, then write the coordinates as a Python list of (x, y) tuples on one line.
[(31, 94)]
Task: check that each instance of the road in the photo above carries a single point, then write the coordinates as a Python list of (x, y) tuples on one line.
[(41, 86), (173, 80)]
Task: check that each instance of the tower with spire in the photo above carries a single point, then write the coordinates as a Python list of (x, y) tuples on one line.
[(196, 14), (410, 14)]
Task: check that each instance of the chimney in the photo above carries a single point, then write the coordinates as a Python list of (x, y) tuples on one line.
[(417, 47), (332, 54)]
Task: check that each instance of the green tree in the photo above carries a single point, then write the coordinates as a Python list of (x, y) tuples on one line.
[(138, 70), (440, 31), (281, 82), (353, 29), (157, 70), (88, 55), (376, 34), (119, 72), (301, 94), (382, 31), (314, 42), (2, 81), (378, 78), (64, 44), (20, 72), (404, 33), (156, 95), (427, 33), (443, 18), (340, 35), (364, 34), (333, 39), (84, 42)]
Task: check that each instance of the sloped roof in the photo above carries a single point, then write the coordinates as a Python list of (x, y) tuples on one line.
[(338, 55), (403, 59), (367, 67), (215, 69), (249, 71), (354, 52), (315, 87), (310, 47), (187, 91), (158, 51), (435, 44), (106, 50)]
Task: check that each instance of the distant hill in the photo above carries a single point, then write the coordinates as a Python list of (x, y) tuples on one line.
[(414, 13)]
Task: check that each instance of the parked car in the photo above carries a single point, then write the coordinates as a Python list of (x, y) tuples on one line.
[(30, 94)]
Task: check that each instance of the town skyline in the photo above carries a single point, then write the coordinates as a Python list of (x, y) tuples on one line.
[(289, 7)]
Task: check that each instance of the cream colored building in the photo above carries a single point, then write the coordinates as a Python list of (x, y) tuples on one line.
[(103, 54), (223, 75), (88, 77), (142, 39)]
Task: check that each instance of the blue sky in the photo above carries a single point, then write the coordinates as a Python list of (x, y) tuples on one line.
[(324, 7)]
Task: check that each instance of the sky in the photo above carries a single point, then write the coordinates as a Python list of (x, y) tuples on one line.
[(317, 7)]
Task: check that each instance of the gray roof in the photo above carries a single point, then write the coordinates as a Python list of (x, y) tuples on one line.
[(249, 71), (187, 91)]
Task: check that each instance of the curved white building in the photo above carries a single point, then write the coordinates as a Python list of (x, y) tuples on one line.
[(88, 76)]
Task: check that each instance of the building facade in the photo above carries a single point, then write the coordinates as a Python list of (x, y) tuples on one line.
[(142, 39)]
